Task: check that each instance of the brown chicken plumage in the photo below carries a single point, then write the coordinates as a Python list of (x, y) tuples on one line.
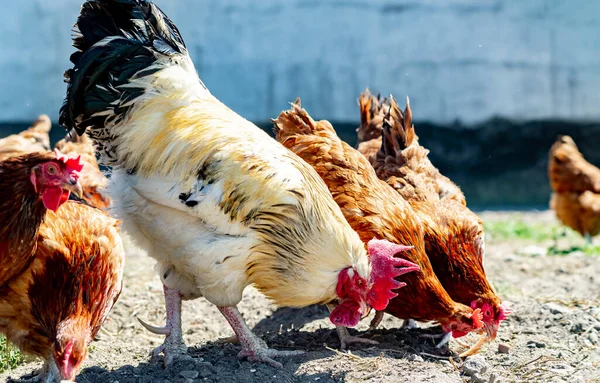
[(372, 110), (61, 262), (454, 236), (34, 139), (54, 308), (23, 207), (373, 209), (576, 188), (92, 180)]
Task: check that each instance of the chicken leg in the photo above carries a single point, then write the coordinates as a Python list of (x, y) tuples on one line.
[(376, 320), (345, 338), (253, 348), (445, 338), (48, 373), (174, 344)]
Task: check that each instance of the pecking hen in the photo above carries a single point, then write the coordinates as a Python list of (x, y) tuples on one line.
[(454, 236), (62, 262), (576, 188), (374, 209), (217, 202)]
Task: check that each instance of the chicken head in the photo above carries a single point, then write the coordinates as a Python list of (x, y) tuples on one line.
[(69, 353), (463, 323), (491, 317), (358, 295), (55, 180)]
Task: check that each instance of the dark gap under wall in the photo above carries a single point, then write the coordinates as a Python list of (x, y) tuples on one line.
[(499, 164)]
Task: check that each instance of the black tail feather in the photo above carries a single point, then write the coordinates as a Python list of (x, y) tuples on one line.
[(116, 40)]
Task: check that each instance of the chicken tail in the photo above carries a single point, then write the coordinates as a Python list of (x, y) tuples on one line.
[(42, 125), (372, 111), (297, 122), (74, 143), (40, 131), (123, 49), (398, 130)]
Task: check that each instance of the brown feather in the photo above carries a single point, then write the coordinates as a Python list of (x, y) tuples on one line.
[(92, 180), (576, 186), (21, 213), (34, 139), (373, 209), (71, 284), (453, 233)]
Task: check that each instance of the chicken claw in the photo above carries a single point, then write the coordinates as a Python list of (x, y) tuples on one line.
[(446, 336), (48, 373), (174, 344), (253, 348), (346, 339)]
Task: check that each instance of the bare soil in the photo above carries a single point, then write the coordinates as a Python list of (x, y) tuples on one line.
[(552, 335)]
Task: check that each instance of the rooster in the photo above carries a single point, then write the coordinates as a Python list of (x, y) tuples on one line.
[(34, 139), (576, 188), (374, 209), (217, 202), (62, 262), (454, 237), (92, 180)]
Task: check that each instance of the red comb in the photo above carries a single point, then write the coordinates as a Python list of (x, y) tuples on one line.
[(73, 163), (384, 268), (505, 311)]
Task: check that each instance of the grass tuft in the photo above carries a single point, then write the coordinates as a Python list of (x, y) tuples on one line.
[(518, 229), (10, 357), (557, 239)]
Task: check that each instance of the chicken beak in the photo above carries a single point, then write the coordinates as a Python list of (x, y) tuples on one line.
[(365, 309), (491, 330), (74, 187)]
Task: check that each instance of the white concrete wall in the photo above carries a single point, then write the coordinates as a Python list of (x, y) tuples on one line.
[(457, 59)]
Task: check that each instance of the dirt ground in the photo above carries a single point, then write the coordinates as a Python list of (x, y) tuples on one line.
[(552, 336)]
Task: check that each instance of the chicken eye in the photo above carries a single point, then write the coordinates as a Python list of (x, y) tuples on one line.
[(488, 313), (51, 169)]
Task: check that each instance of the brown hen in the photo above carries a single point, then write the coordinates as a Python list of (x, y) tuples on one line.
[(576, 188), (61, 262), (373, 209), (454, 237)]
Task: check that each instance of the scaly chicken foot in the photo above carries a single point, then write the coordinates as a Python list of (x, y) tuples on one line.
[(446, 336), (48, 373), (174, 345), (407, 324), (253, 348), (346, 339)]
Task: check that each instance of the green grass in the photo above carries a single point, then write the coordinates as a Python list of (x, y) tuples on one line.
[(557, 239), (10, 357), (518, 229)]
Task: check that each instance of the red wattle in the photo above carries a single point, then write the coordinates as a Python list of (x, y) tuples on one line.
[(53, 197), (347, 314)]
